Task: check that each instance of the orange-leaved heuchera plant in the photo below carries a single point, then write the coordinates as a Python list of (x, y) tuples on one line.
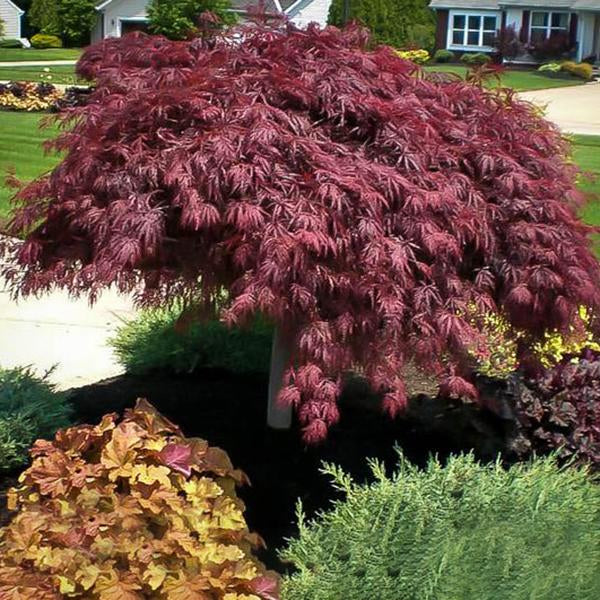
[(130, 510)]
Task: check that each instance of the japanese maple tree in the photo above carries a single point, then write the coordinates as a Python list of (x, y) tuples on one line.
[(320, 181)]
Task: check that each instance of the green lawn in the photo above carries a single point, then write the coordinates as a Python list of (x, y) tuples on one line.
[(20, 147), (54, 74), (520, 80), (587, 156), (31, 54)]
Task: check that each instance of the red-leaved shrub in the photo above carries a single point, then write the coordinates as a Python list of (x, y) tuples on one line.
[(130, 510), (333, 188), (560, 409)]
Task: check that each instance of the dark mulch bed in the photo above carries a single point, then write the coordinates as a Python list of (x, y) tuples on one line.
[(229, 411)]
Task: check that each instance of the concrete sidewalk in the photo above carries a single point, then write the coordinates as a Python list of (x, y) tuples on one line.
[(38, 63), (574, 109), (57, 330)]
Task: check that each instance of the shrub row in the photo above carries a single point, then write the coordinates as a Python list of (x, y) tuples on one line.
[(583, 70)]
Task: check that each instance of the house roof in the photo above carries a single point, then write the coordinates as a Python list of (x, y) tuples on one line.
[(236, 5), (497, 4), (19, 10), (586, 5), (485, 4), (539, 3), (271, 6)]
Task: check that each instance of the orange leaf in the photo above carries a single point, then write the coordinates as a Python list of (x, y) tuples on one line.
[(114, 588), (118, 453)]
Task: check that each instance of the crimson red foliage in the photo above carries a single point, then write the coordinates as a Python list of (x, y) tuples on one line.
[(359, 205)]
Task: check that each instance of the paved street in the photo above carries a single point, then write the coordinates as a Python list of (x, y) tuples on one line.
[(574, 109)]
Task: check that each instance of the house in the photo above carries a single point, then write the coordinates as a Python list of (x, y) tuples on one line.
[(470, 25), (11, 14), (118, 17), (303, 12)]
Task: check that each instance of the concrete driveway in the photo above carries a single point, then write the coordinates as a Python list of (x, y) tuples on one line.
[(56, 330), (574, 109)]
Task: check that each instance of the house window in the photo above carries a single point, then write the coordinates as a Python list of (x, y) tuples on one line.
[(547, 24), (473, 30)]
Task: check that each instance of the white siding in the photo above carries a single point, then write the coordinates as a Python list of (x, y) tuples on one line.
[(118, 10), (97, 29), (311, 11), (11, 15)]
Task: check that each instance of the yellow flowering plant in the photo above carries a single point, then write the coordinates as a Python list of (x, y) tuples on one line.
[(498, 356), (28, 96)]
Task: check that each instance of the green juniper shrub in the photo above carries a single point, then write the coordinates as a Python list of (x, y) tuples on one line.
[(475, 58), (41, 41), (30, 408), (17, 433), (153, 341), (463, 531), (444, 56)]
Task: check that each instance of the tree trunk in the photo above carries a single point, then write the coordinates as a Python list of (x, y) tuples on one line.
[(278, 417)]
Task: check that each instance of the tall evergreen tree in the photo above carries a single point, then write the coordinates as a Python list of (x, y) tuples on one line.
[(76, 18), (43, 15), (177, 19), (72, 20), (394, 22)]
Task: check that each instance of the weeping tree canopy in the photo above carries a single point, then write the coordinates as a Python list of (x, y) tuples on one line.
[(334, 189)]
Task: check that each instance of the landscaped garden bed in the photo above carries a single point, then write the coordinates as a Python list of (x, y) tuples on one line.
[(336, 260)]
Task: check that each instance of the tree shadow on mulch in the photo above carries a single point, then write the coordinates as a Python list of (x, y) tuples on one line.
[(229, 411)]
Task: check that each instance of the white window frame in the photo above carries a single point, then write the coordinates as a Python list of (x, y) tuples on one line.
[(548, 28), (121, 20), (466, 14)]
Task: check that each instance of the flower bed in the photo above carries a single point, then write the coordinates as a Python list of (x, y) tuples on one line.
[(29, 96), (40, 97)]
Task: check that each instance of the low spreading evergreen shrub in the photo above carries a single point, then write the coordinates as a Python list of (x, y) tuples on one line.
[(444, 56), (42, 41), (16, 436), (128, 510), (475, 58), (463, 531), (29, 408), (154, 341)]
